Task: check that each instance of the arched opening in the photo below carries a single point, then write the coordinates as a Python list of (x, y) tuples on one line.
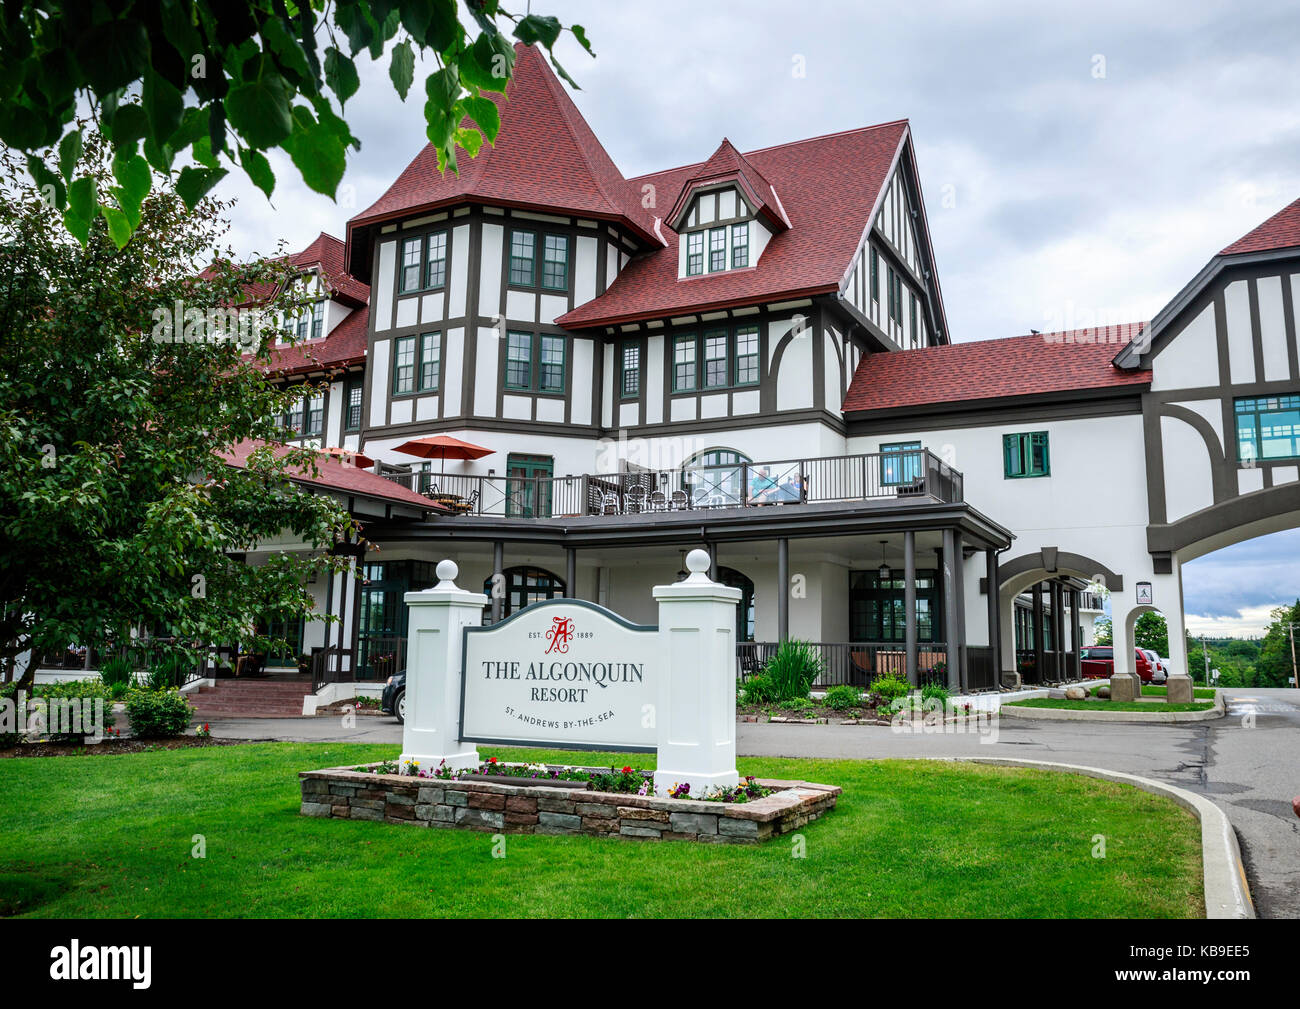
[(521, 586), (715, 477), (745, 611)]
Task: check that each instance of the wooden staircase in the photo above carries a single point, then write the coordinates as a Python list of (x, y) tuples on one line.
[(250, 699)]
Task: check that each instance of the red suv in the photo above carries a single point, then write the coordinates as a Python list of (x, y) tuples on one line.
[(1098, 662)]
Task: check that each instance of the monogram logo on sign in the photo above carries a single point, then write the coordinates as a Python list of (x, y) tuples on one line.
[(559, 635)]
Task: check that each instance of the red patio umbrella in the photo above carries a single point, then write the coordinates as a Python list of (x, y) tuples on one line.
[(444, 447), (350, 458)]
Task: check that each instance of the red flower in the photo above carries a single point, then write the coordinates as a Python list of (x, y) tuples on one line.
[(627, 770), (492, 760)]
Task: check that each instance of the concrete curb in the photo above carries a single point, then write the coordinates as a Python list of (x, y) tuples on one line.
[(1227, 894), (1155, 717)]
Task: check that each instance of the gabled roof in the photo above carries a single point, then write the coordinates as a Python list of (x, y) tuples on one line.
[(343, 347), (1035, 365), (326, 254), (545, 157), (1281, 231), (728, 164), (333, 475), (828, 187)]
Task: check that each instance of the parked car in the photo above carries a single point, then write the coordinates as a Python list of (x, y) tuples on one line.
[(393, 699), (1159, 671), (1098, 662)]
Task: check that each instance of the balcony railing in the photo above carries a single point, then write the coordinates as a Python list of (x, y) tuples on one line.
[(873, 476)]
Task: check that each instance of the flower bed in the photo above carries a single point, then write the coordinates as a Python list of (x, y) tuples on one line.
[(510, 801)]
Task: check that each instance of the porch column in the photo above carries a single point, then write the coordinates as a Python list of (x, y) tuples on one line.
[(498, 579), (1058, 629), (783, 589), (1038, 631), (995, 617), (951, 629), (959, 579), (712, 548), (1076, 636), (909, 603), (571, 572)]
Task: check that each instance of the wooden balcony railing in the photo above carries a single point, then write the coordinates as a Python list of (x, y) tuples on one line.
[(873, 476)]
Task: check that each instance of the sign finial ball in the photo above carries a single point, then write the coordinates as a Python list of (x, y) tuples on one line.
[(447, 570), (697, 562)]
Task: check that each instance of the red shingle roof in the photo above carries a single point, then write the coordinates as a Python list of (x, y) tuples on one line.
[(333, 475), (545, 157), (344, 346), (1036, 364), (827, 186), (326, 253), (1281, 231)]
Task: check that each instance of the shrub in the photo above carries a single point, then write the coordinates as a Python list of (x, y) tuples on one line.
[(890, 687), (937, 692), (759, 690), (158, 714), (843, 696), (11, 734), (80, 696), (793, 670), (168, 671), (116, 669)]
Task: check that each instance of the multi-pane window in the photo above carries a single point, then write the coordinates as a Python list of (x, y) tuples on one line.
[(747, 355), (435, 268), (875, 274), (404, 364), (1026, 454), (315, 414), (523, 258), (717, 249), (410, 276), (352, 405), (715, 359), (900, 463), (1268, 427), (684, 364), (739, 246), (519, 360), (430, 360), (898, 298), (912, 332), (551, 377), (631, 381), (890, 285), (555, 262), (694, 253), (706, 362), (293, 418)]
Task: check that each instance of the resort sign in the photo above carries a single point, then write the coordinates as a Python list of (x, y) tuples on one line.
[(561, 672)]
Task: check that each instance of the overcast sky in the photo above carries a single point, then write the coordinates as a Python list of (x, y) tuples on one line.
[(1080, 162)]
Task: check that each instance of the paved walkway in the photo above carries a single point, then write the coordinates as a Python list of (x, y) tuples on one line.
[(1248, 762)]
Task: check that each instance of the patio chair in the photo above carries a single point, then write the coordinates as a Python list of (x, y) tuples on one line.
[(658, 501), (609, 504), (635, 499), (680, 501)]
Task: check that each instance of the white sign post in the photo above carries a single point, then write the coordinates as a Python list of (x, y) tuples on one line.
[(438, 617), (696, 713), (568, 673)]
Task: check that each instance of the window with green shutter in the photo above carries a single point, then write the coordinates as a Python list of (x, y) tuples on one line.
[(1025, 455)]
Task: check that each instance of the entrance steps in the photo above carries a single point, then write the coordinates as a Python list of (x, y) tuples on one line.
[(250, 699)]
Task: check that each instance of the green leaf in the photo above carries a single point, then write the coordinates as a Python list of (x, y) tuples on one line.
[(341, 74), (485, 113), (402, 68), (78, 227), (483, 67), (82, 198), (580, 34), (69, 153), (119, 228), (127, 125), (134, 178), (444, 28), (536, 28), (258, 169), (317, 152), (469, 140), (20, 127), (259, 111), (113, 53), (53, 192), (442, 88), (163, 105), (286, 47), (194, 183)]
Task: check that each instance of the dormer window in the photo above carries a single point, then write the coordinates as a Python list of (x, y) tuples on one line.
[(739, 246), (694, 253)]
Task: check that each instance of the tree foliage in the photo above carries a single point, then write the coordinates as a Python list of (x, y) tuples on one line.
[(1151, 631), (116, 506), (220, 82)]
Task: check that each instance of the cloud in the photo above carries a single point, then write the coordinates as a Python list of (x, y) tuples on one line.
[(1249, 622)]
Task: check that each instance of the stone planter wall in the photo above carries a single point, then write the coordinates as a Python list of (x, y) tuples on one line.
[(511, 809)]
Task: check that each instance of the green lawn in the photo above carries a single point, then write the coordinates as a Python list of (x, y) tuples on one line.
[(1108, 705), (112, 836), (1151, 690)]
